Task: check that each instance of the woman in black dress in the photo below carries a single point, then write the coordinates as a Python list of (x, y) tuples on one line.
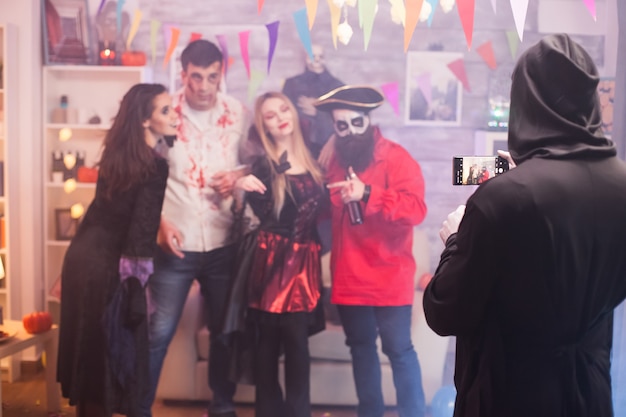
[(102, 362), (286, 193)]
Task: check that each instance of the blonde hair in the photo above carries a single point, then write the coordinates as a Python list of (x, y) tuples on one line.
[(280, 185)]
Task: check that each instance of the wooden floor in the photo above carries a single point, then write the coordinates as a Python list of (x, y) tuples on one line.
[(27, 398)]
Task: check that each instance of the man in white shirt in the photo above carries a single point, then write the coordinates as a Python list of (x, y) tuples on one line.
[(196, 218)]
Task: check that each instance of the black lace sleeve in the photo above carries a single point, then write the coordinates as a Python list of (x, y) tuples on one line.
[(261, 204)]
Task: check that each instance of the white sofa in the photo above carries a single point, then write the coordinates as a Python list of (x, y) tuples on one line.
[(184, 375)]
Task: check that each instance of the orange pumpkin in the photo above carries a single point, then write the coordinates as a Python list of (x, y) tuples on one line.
[(133, 59), (37, 322)]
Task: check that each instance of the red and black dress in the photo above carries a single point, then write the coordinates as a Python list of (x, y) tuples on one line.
[(283, 291)]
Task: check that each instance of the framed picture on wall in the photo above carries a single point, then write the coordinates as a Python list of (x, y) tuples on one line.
[(66, 225), (433, 93), (66, 32)]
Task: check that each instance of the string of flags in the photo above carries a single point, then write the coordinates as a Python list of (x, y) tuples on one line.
[(406, 12)]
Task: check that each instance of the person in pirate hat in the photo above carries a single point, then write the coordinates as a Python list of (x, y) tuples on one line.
[(372, 263)]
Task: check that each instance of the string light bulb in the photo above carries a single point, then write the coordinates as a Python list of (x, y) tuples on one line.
[(69, 160), (77, 210), (69, 185), (344, 30), (65, 134)]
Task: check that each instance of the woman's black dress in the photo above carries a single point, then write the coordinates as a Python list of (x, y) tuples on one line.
[(121, 228)]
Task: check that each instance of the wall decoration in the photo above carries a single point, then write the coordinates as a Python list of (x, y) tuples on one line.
[(66, 32), (606, 92), (66, 225), (433, 93)]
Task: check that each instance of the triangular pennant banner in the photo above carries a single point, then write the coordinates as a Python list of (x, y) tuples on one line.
[(390, 90), (513, 40), (433, 7), (591, 6), (335, 16), (100, 7), (466, 13), (369, 12), (244, 37), (154, 30), (493, 5), (486, 52), (272, 30), (259, 6), (458, 69), (413, 9), (194, 36), (133, 29), (519, 8), (424, 84), (311, 11), (256, 78), (300, 18), (120, 6), (175, 33), (221, 40)]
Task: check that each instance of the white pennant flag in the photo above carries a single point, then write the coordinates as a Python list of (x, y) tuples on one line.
[(493, 5), (520, 8)]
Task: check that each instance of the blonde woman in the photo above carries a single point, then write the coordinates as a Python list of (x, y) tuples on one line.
[(286, 193)]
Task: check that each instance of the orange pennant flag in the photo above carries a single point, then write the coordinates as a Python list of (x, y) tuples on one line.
[(486, 52), (259, 5), (466, 13), (413, 9), (311, 11), (458, 69), (195, 36), (172, 46)]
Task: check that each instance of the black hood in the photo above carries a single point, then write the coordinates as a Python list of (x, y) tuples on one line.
[(555, 110)]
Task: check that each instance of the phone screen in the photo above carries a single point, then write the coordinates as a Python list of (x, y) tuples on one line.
[(474, 170)]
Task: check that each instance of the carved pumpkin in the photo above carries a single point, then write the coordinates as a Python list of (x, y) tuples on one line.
[(37, 322), (133, 59)]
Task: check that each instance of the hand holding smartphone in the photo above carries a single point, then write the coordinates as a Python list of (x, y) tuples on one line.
[(474, 170)]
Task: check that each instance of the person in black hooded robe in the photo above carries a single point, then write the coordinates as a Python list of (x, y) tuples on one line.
[(533, 266)]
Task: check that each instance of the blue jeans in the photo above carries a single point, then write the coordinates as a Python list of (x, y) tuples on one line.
[(169, 286), (362, 325)]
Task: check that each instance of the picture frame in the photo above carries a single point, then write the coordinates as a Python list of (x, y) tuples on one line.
[(66, 32), (66, 225), (606, 95), (433, 93)]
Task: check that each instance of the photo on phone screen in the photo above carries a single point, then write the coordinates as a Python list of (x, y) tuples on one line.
[(474, 170)]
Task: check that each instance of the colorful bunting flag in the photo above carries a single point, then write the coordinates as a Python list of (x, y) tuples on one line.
[(195, 36), (519, 8), (390, 90), (486, 52), (335, 16), (311, 11), (493, 5), (100, 7), (413, 9), (256, 78), (120, 6), (133, 28), (221, 40), (272, 29), (175, 33), (514, 41), (591, 6), (458, 69), (259, 6), (300, 18), (433, 6), (154, 30), (369, 12), (244, 37), (466, 13)]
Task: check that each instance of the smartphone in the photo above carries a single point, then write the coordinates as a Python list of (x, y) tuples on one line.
[(474, 170)]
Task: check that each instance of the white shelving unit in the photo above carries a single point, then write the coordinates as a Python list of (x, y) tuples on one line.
[(9, 282), (92, 92)]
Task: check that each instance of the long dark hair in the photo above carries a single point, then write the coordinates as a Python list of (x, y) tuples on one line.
[(127, 159)]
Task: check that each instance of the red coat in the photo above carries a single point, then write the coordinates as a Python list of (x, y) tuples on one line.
[(372, 263)]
